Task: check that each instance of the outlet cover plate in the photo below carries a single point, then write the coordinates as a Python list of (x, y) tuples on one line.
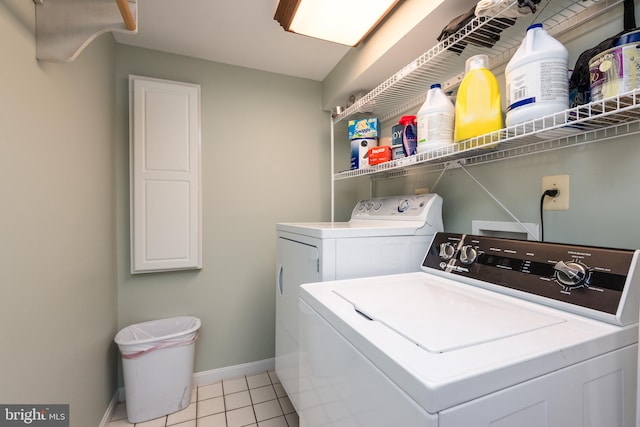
[(561, 202)]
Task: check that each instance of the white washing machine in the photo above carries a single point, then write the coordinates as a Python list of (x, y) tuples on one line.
[(384, 236), (493, 332)]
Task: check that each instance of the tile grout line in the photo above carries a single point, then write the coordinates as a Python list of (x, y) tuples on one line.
[(246, 380), (253, 408), (278, 399)]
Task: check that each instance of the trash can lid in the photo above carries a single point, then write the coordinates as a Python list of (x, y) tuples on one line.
[(157, 330)]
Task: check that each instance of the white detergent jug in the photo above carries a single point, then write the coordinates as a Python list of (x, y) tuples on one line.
[(435, 120), (537, 78)]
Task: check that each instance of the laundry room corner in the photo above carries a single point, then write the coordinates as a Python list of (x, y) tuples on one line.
[(263, 145)]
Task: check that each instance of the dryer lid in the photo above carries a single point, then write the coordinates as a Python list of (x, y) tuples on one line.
[(438, 318), (356, 229)]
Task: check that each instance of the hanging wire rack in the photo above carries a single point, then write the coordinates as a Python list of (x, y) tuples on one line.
[(600, 120)]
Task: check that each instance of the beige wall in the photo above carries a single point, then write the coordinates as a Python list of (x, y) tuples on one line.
[(265, 159), (57, 223)]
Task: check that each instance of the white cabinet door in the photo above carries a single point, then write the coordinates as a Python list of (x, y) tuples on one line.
[(166, 220)]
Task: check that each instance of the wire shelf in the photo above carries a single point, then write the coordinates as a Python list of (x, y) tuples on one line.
[(442, 63), (596, 121), (497, 36)]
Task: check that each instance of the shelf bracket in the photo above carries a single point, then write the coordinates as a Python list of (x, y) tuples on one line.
[(454, 164), (529, 232), (65, 27)]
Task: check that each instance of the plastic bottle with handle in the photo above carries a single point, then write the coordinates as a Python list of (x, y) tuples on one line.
[(478, 109)]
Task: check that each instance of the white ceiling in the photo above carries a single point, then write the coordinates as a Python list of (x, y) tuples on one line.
[(236, 32), (243, 33)]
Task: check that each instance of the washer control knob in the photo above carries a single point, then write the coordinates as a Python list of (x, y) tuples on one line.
[(447, 251), (468, 254), (404, 205), (570, 274)]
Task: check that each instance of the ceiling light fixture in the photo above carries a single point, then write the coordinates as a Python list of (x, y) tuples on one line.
[(346, 22)]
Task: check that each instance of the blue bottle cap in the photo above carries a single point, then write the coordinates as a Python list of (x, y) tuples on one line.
[(632, 37), (532, 26), (436, 85)]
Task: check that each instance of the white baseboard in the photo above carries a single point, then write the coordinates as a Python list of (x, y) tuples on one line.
[(251, 368), (201, 378), (111, 409)]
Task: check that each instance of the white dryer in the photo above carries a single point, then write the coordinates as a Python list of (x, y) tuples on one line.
[(493, 332), (384, 236)]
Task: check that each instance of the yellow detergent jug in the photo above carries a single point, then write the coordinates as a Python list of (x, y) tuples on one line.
[(478, 108)]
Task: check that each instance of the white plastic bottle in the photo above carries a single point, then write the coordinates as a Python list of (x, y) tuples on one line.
[(537, 78), (435, 120)]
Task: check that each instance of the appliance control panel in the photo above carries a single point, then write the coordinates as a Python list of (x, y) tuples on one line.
[(591, 277), (402, 208)]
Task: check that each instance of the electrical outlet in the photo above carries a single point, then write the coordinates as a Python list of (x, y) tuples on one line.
[(561, 201)]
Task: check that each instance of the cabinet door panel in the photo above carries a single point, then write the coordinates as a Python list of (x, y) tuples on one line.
[(166, 220)]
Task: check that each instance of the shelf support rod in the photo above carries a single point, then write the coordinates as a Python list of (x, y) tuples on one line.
[(65, 27), (333, 171), (127, 16), (524, 227)]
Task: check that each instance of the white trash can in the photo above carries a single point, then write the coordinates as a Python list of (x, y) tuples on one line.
[(157, 364)]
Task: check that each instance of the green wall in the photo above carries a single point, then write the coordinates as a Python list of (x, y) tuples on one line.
[(604, 195), (265, 159)]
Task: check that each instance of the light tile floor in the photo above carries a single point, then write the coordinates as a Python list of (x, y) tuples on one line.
[(256, 400)]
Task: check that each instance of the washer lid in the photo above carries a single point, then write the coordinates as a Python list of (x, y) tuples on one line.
[(438, 318)]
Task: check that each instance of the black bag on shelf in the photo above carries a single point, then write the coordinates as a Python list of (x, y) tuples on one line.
[(580, 81), (488, 35)]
